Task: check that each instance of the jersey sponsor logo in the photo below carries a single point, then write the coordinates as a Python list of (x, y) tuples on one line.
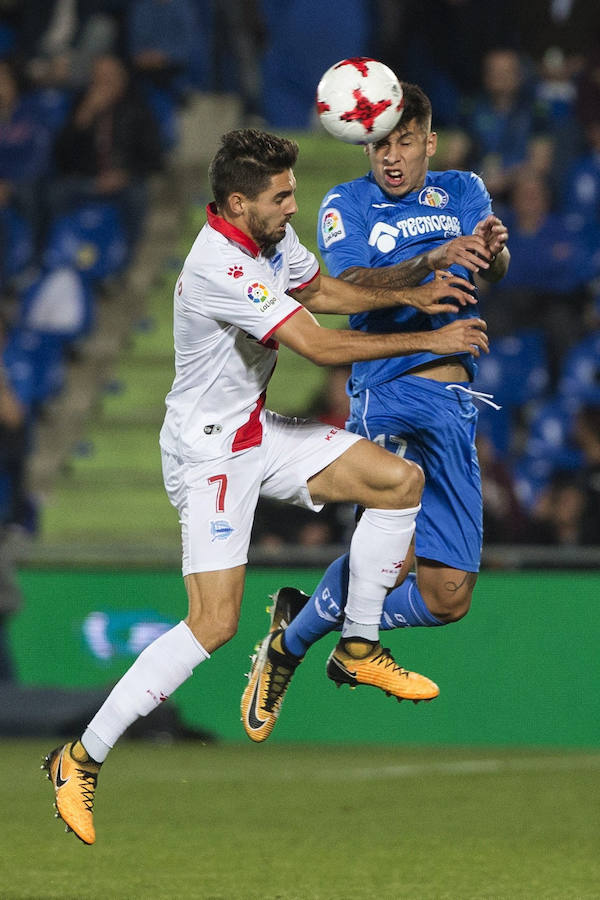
[(220, 530), (381, 205), (383, 236), (332, 226), (416, 225), (235, 271), (260, 296), (433, 196)]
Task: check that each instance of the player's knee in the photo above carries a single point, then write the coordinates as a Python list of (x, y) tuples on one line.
[(215, 630), (410, 483), (447, 606)]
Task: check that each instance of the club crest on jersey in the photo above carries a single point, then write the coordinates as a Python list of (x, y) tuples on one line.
[(276, 262), (260, 296), (433, 196), (332, 227)]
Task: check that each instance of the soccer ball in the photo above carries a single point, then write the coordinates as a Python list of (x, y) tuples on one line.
[(359, 100)]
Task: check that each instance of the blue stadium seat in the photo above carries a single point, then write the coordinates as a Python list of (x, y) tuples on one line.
[(91, 239), (549, 446), (17, 243), (580, 376), (516, 373)]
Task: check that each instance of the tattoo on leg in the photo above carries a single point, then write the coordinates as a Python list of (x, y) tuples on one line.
[(469, 579)]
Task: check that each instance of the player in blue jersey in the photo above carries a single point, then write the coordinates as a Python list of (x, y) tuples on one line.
[(394, 227)]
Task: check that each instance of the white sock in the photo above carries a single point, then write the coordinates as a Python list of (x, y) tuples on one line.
[(379, 545), (159, 669)]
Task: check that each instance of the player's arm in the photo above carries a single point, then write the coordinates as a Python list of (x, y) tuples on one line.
[(469, 251), (329, 347), (446, 293)]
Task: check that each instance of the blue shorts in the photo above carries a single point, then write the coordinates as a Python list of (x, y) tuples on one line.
[(418, 418)]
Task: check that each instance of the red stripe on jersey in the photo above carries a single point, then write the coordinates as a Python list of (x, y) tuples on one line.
[(250, 433), (230, 231), (306, 283), (273, 344)]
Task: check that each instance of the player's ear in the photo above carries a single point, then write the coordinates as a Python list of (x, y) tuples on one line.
[(431, 145), (236, 203)]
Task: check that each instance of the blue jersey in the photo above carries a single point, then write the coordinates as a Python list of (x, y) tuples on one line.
[(361, 225)]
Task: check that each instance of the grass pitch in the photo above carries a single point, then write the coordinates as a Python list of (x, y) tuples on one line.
[(310, 823)]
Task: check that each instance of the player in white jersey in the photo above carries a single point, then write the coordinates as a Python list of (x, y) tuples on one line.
[(246, 285)]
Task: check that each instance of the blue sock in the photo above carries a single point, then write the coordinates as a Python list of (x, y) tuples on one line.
[(323, 612), (404, 607)]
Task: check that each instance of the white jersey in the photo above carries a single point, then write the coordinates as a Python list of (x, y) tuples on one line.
[(229, 300)]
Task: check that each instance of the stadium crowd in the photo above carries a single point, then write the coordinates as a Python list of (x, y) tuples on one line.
[(90, 99)]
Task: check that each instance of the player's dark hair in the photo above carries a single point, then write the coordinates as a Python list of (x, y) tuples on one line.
[(247, 160), (417, 105)]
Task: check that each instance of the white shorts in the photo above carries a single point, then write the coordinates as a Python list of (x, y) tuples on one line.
[(216, 499)]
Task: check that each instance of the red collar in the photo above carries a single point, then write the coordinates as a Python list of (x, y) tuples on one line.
[(230, 231)]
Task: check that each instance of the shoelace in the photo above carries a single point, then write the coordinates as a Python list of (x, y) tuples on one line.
[(277, 684), (386, 659), (476, 395), (90, 780)]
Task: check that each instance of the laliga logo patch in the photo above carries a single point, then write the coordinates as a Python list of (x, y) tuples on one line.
[(434, 196), (332, 227), (260, 296)]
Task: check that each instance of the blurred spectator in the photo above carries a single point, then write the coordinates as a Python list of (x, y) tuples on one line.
[(16, 241), (504, 520), (559, 512), (581, 189), (432, 43), (25, 149), (240, 36), (107, 148), (60, 39), (163, 37), (552, 263), (505, 126), (573, 26), (297, 53)]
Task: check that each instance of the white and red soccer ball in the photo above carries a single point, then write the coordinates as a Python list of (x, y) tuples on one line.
[(359, 100)]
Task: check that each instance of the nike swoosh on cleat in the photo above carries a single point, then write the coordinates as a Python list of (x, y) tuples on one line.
[(60, 781), (253, 721)]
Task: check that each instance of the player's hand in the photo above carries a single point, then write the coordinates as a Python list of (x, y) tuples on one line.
[(461, 336), (471, 251), (446, 293), (494, 232)]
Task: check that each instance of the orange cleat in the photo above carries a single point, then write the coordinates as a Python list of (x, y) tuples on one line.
[(379, 669), (268, 680), (74, 777)]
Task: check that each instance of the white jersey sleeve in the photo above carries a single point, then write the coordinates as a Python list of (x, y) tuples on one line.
[(303, 265)]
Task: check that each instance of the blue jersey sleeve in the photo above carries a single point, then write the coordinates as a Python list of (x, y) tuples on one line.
[(342, 231), (476, 203)]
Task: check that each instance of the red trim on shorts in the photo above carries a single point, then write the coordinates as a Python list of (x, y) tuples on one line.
[(230, 231), (250, 433), (266, 337), (306, 283)]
